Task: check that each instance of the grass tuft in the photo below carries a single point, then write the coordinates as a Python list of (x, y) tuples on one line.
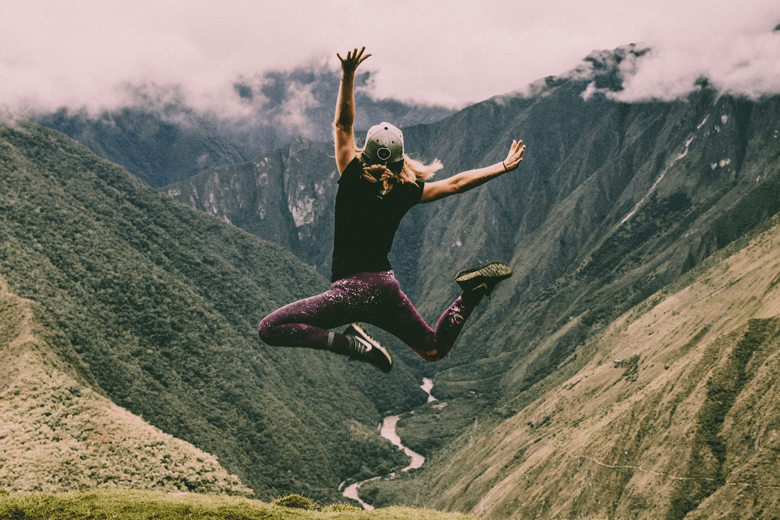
[(295, 502)]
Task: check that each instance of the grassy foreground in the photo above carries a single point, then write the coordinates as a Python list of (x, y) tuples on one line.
[(99, 504)]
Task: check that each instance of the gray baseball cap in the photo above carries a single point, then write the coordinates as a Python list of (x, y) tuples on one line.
[(384, 144)]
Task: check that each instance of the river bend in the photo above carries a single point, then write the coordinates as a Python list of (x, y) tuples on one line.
[(388, 432)]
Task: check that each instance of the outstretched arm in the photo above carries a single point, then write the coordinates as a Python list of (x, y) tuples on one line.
[(470, 179), (345, 109)]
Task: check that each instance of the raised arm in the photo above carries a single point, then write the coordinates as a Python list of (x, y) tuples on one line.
[(470, 179), (345, 109)]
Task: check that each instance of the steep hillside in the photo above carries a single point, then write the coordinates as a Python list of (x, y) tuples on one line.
[(285, 196), (671, 412), (613, 203), (58, 432), (160, 304)]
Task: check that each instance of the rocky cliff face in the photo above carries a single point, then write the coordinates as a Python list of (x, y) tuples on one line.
[(611, 209), (285, 196)]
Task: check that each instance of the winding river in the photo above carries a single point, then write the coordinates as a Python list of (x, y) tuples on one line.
[(388, 432)]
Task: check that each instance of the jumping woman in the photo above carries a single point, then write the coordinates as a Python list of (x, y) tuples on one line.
[(377, 186)]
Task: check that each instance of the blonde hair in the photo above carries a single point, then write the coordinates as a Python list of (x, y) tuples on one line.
[(413, 171)]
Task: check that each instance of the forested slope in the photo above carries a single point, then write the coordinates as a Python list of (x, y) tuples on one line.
[(159, 305), (59, 432)]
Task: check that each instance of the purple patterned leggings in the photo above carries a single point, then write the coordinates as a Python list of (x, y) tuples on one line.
[(374, 298)]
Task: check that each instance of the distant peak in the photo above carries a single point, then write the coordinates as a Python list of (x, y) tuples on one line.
[(600, 71), (612, 59)]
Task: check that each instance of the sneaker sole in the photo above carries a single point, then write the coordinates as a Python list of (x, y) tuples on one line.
[(491, 273)]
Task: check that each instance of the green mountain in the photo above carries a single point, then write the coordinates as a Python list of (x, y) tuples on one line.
[(670, 411), (155, 306), (59, 431), (613, 203)]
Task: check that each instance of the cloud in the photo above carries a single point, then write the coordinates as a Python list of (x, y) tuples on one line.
[(91, 53), (743, 64)]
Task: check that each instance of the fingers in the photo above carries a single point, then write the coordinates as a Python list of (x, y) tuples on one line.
[(354, 57), (515, 156)]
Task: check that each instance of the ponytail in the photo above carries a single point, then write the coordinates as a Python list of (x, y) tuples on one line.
[(412, 171)]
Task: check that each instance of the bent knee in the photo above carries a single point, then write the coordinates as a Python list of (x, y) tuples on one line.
[(432, 356), (264, 329)]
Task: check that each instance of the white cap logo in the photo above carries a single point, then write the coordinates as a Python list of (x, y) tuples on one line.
[(383, 153)]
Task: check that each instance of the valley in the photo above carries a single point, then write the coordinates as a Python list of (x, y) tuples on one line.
[(627, 369), (388, 430)]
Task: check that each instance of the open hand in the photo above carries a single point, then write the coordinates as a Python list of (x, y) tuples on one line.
[(353, 59), (515, 156)]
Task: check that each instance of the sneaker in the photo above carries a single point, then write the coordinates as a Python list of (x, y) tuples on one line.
[(365, 348), (483, 278)]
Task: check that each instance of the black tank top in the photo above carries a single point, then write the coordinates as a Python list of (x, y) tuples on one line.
[(366, 221)]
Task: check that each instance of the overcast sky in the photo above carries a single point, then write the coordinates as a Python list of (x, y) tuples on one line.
[(455, 52)]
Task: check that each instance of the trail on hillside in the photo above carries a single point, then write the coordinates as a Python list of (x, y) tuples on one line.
[(659, 473)]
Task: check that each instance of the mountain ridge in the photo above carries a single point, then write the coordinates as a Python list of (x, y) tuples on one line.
[(160, 138), (159, 305), (617, 210), (650, 418), (613, 202), (60, 432)]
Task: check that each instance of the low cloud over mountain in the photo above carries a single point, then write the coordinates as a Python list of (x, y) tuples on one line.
[(161, 137)]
